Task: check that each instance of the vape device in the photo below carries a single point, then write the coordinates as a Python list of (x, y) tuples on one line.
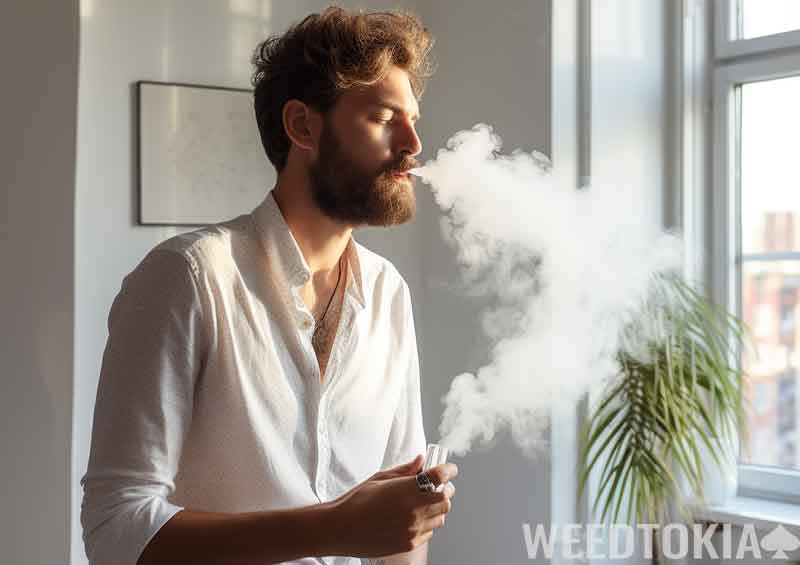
[(435, 455)]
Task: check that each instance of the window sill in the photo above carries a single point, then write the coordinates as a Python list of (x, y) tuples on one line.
[(762, 514)]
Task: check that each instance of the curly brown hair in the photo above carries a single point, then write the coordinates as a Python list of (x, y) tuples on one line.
[(324, 55)]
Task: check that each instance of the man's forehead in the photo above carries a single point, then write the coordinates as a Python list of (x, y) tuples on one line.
[(411, 108), (392, 92)]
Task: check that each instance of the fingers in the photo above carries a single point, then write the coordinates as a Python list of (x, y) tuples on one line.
[(443, 473), (409, 468), (449, 490), (428, 498), (412, 467), (438, 504), (434, 522), (439, 508)]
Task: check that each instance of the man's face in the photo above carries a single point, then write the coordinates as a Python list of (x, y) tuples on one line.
[(367, 142)]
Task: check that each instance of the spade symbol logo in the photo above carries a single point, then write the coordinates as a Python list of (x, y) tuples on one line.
[(780, 540)]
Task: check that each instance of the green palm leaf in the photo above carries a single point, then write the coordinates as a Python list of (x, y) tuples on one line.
[(651, 422)]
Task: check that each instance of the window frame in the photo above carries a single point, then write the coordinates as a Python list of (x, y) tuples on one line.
[(728, 46), (736, 62)]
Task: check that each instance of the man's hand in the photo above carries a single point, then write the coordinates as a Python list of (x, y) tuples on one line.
[(388, 514)]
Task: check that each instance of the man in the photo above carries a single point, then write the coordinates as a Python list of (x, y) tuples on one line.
[(259, 371)]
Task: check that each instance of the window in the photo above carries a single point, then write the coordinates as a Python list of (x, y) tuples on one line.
[(759, 18), (756, 207), (748, 27)]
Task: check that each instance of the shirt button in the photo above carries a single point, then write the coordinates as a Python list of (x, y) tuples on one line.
[(305, 324)]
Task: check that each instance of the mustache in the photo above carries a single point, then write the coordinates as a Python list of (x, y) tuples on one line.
[(403, 165)]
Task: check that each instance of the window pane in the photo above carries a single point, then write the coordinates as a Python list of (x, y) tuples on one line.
[(766, 17), (770, 307), (770, 177)]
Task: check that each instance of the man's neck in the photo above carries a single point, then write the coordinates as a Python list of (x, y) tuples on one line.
[(321, 239)]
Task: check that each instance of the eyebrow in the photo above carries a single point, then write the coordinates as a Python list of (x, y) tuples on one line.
[(396, 108)]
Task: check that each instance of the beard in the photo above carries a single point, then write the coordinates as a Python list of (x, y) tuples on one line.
[(346, 193)]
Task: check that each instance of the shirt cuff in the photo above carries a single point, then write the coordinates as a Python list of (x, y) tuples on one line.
[(117, 529)]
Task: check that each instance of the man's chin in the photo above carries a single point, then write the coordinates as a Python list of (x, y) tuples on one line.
[(401, 210), (396, 204), (391, 202)]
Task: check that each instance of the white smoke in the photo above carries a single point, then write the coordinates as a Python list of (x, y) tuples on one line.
[(567, 269)]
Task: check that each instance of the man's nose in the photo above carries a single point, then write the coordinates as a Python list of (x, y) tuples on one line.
[(410, 142)]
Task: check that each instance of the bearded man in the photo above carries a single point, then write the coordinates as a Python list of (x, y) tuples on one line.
[(259, 397)]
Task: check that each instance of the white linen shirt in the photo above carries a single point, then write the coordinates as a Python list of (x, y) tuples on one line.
[(210, 397)]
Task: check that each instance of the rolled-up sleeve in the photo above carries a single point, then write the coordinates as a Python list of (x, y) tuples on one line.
[(143, 410), (407, 436)]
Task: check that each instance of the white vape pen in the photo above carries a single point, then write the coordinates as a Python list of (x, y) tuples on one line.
[(436, 455)]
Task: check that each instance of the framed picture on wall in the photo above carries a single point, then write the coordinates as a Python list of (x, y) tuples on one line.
[(200, 158)]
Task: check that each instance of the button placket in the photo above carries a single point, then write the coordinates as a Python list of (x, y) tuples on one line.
[(324, 447), (341, 341), (304, 318)]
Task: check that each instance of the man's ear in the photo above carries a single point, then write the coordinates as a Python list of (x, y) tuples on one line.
[(302, 124)]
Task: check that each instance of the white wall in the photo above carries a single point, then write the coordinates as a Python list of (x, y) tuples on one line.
[(39, 61)]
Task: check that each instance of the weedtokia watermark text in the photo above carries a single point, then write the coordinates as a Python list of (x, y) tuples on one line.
[(619, 541)]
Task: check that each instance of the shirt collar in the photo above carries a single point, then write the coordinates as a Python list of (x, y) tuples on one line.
[(277, 237)]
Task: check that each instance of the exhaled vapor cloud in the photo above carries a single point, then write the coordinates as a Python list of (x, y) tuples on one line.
[(567, 269)]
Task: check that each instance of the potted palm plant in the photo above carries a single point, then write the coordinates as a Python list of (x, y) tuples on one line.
[(676, 398)]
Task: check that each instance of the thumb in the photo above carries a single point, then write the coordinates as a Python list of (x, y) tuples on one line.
[(406, 469)]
